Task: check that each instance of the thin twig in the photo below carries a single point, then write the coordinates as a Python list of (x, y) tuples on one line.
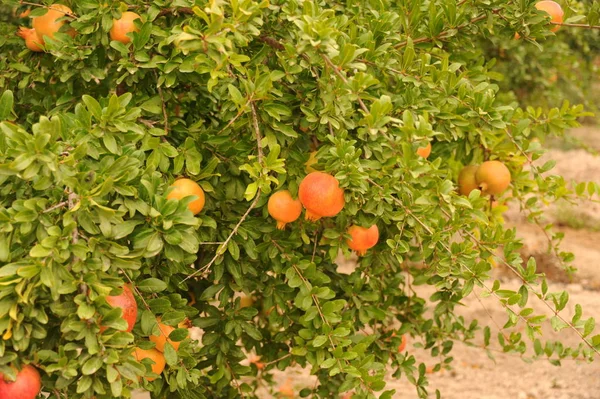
[(71, 201), (257, 132), (54, 207), (277, 360), (164, 109), (69, 14), (343, 78), (223, 246), (182, 10), (237, 383), (583, 26)]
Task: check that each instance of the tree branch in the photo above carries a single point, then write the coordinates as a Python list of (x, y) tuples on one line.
[(223, 246)]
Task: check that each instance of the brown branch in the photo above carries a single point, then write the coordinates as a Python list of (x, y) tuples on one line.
[(182, 10), (583, 26), (164, 108), (223, 246), (54, 207), (271, 42), (343, 79), (443, 34), (71, 201), (71, 14), (257, 132)]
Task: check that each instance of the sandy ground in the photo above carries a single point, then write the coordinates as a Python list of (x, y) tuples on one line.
[(474, 374)]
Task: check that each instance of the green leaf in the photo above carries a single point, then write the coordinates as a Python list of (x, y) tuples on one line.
[(151, 285), (91, 366), (6, 105)]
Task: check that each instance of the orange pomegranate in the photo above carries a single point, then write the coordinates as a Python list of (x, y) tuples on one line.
[(493, 177), (424, 151), (283, 208), (25, 13), (163, 337), (246, 301), (154, 355), (403, 343), (362, 238), (182, 188), (125, 301), (466, 180), (121, 27), (50, 23), (321, 195), (31, 39), (27, 385), (554, 10)]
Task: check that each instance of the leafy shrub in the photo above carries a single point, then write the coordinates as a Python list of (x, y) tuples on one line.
[(235, 95)]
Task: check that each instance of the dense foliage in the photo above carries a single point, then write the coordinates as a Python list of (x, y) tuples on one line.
[(235, 95)]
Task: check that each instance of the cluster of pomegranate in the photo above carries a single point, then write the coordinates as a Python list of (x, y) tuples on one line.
[(46, 26), (491, 177), (321, 195)]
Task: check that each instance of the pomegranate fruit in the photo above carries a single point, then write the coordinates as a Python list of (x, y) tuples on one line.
[(121, 27), (403, 343), (362, 238), (466, 180), (554, 10), (493, 177), (27, 385), (182, 188), (283, 208), (163, 337), (321, 195), (424, 151), (50, 23), (125, 301), (154, 355), (31, 39)]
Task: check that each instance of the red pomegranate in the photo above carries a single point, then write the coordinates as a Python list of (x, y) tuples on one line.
[(125, 301), (321, 195), (27, 385), (362, 238)]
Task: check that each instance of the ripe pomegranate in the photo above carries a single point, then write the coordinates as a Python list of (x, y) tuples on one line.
[(163, 337), (362, 238), (246, 301), (154, 355), (31, 38), (554, 10), (25, 13), (121, 27), (403, 343), (493, 177), (49, 23), (182, 188), (466, 180), (283, 208), (321, 195), (424, 151), (125, 301), (27, 385)]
